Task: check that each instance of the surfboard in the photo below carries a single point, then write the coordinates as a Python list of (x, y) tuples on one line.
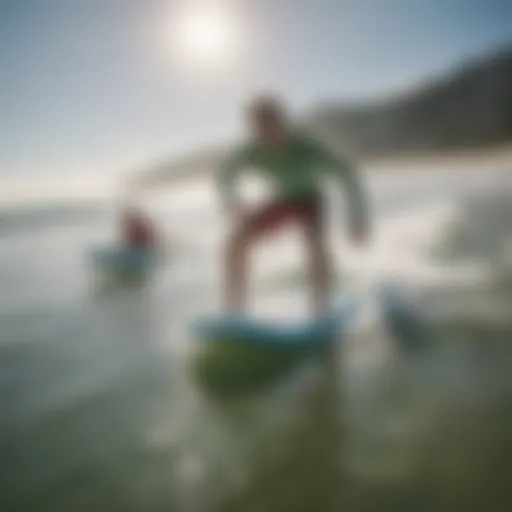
[(316, 332), (124, 260)]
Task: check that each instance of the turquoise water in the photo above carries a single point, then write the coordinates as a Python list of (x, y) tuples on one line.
[(99, 408)]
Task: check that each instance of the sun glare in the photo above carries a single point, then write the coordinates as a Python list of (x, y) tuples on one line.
[(205, 36)]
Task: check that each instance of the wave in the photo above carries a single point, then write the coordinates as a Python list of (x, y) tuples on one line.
[(42, 215)]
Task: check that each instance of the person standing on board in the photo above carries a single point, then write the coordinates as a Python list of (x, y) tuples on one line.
[(295, 165)]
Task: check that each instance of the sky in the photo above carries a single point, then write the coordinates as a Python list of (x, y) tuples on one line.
[(90, 86)]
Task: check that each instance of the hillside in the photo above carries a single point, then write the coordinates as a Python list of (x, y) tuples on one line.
[(470, 107), (467, 108)]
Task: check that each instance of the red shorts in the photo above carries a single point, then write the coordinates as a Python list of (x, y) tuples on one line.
[(307, 212)]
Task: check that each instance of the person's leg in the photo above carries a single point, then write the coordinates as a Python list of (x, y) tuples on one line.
[(259, 222), (321, 272), (236, 271), (322, 286), (320, 264)]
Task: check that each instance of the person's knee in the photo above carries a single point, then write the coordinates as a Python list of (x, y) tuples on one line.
[(322, 257), (238, 243), (318, 248)]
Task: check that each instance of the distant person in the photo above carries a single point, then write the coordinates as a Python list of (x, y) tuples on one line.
[(294, 164), (137, 230)]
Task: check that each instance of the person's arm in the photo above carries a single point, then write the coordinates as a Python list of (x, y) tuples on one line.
[(348, 175), (227, 176)]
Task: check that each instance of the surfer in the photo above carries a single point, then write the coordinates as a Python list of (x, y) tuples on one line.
[(295, 165), (137, 230)]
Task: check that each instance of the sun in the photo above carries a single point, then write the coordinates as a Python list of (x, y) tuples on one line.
[(205, 35)]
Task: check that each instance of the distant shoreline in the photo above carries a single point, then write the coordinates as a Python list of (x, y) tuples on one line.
[(502, 153)]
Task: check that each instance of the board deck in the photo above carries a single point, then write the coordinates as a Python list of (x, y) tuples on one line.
[(316, 332)]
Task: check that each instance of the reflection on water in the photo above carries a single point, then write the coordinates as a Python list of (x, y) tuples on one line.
[(100, 409)]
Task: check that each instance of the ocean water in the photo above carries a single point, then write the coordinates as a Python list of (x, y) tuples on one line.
[(100, 410)]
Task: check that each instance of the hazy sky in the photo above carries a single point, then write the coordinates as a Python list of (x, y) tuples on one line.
[(91, 85)]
